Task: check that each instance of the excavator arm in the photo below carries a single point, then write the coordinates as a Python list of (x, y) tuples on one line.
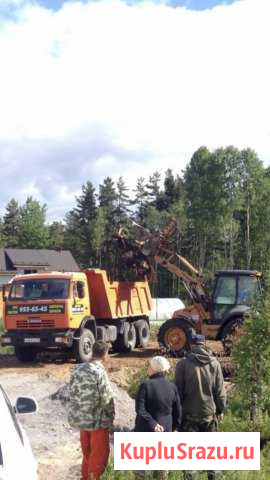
[(148, 249), (142, 251)]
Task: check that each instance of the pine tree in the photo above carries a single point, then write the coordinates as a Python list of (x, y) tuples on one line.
[(107, 194), (140, 200), (80, 225), (122, 210), (173, 191), (2, 236), (108, 202), (99, 236), (11, 224), (153, 188), (72, 235)]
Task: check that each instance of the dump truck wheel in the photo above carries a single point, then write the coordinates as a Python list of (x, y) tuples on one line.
[(142, 333), (84, 346), (173, 335), (230, 334), (25, 354), (126, 341)]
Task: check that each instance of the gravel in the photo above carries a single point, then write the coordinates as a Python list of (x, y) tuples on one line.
[(55, 444)]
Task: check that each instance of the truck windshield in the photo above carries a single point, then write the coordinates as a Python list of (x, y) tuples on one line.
[(39, 289)]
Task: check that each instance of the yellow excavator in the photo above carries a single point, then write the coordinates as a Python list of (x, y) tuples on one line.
[(217, 316)]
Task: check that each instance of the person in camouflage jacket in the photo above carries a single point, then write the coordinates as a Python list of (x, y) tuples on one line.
[(91, 410)]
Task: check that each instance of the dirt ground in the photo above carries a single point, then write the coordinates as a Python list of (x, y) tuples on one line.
[(55, 444)]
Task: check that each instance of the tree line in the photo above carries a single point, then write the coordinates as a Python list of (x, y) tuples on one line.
[(221, 202)]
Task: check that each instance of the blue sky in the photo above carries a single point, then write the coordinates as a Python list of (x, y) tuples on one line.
[(191, 4)]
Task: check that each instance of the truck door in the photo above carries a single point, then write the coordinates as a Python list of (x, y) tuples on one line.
[(80, 305)]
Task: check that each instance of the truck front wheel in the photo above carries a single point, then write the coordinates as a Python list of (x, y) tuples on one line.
[(25, 354), (84, 346)]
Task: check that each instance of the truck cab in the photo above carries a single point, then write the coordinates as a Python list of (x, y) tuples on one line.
[(42, 309)]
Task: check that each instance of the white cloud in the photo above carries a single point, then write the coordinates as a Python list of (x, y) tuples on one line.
[(103, 88)]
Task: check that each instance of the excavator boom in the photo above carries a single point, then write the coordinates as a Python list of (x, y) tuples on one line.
[(149, 249)]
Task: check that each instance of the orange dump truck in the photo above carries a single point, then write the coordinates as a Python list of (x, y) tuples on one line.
[(68, 311)]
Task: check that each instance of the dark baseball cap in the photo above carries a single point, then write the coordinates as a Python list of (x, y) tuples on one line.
[(195, 339)]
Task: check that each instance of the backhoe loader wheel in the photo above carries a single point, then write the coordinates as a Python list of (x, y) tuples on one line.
[(142, 333), (84, 346), (126, 341), (25, 354), (231, 333), (173, 336)]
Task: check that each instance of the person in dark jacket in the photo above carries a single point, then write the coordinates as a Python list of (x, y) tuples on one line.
[(158, 406), (200, 384)]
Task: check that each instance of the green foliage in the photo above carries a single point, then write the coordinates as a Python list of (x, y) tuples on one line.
[(33, 232), (108, 198), (56, 235), (80, 227), (140, 201), (252, 355), (11, 224), (123, 202), (263, 474)]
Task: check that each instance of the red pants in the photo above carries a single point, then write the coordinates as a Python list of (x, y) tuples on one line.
[(96, 448)]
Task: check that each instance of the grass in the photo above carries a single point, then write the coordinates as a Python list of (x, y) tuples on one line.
[(263, 474), (154, 331)]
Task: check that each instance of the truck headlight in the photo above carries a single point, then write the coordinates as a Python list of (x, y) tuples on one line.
[(65, 340), (5, 340), (59, 340)]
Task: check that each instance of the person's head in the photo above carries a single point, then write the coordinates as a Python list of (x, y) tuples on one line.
[(158, 365), (100, 350)]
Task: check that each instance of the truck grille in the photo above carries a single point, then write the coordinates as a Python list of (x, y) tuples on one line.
[(35, 324)]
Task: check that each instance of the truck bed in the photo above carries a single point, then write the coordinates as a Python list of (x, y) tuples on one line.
[(114, 300)]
